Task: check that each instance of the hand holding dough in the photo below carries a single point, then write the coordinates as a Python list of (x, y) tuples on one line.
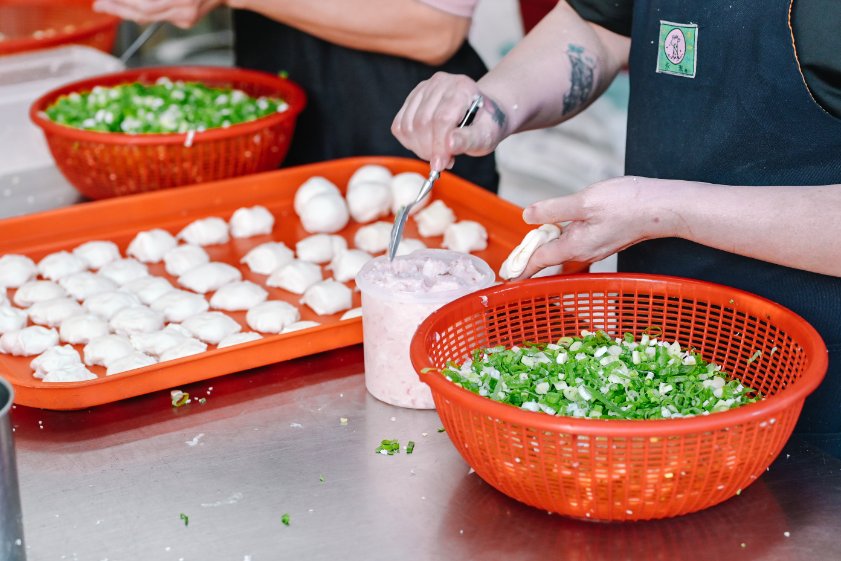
[(516, 262)]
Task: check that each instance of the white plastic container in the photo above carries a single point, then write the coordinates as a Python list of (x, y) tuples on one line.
[(396, 298), (23, 79)]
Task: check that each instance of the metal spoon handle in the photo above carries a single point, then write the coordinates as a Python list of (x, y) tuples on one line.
[(140, 41)]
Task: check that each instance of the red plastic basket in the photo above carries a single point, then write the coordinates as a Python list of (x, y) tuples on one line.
[(31, 25), (101, 164), (613, 469)]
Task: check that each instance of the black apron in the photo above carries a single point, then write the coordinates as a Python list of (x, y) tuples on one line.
[(745, 118), (353, 95)]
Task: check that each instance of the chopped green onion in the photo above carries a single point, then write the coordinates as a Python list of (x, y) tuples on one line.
[(343, 421), (755, 356), (321, 478), (202, 400), (285, 519), (410, 447), (598, 376), (185, 519), (442, 429), (162, 107), (179, 398), (388, 448)]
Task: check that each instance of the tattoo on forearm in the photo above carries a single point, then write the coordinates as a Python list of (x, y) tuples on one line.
[(497, 114), (582, 78)]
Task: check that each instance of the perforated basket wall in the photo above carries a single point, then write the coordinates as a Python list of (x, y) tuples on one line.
[(102, 165), (613, 469)]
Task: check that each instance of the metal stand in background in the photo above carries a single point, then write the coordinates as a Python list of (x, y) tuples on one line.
[(11, 518)]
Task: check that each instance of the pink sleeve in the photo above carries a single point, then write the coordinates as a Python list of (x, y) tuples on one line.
[(462, 8)]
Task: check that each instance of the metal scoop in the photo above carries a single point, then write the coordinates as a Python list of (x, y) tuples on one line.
[(426, 188)]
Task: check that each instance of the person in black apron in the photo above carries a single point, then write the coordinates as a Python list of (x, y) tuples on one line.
[(717, 97), (352, 94)]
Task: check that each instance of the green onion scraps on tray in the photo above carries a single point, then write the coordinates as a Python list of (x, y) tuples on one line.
[(598, 376), (162, 107)]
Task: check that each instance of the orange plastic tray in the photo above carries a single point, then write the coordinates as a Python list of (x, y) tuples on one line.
[(120, 219)]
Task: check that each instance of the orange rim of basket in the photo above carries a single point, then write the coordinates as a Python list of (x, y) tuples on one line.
[(78, 35), (812, 377), (294, 97)]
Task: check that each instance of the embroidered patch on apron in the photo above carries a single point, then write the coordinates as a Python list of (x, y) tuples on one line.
[(677, 49)]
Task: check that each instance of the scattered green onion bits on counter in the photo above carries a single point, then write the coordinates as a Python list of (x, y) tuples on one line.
[(162, 107), (185, 519), (388, 448), (285, 519), (598, 376)]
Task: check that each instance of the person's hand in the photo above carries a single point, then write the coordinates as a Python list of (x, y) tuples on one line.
[(183, 13), (427, 124), (604, 218)]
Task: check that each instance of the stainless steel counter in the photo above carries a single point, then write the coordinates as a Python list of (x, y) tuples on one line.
[(112, 482)]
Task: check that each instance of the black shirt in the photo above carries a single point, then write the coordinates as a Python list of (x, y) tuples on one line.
[(816, 26)]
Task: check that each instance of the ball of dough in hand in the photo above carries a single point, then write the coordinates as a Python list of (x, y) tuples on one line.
[(516, 262)]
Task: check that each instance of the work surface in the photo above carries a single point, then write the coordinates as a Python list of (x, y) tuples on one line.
[(112, 483)]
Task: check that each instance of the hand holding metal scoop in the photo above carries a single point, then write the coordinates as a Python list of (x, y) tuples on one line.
[(426, 188)]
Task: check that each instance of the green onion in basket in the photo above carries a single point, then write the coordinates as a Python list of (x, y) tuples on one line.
[(162, 107), (597, 376)]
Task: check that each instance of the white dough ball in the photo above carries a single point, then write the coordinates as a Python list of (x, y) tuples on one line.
[(29, 341), (328, 297), (238, 339), (516, 262), (465, 236), (188, 347), (370, 173), (38, 291), (347, 264), (408, 245), (368, 201), (404, 189), (151, 246), (296, 276), (299, 325), (148, 289), (139, 319), (80, 329), (16, 270), (85, 284), (434, 219), (131, 361), (104, 350), (75, 372), (373, 238), (209, 277), (60, 264), (123, 271), (251, 221), (320, 248), (268, 257), (54, 358), (211, 327), (107, 304), (178, 305), (352, 313), (324, 214), (181, 259), (11, 319), (237, 296), (52, 312), (206, 231), (158, 342), (97, 253), (310, 188), (272, 316)]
